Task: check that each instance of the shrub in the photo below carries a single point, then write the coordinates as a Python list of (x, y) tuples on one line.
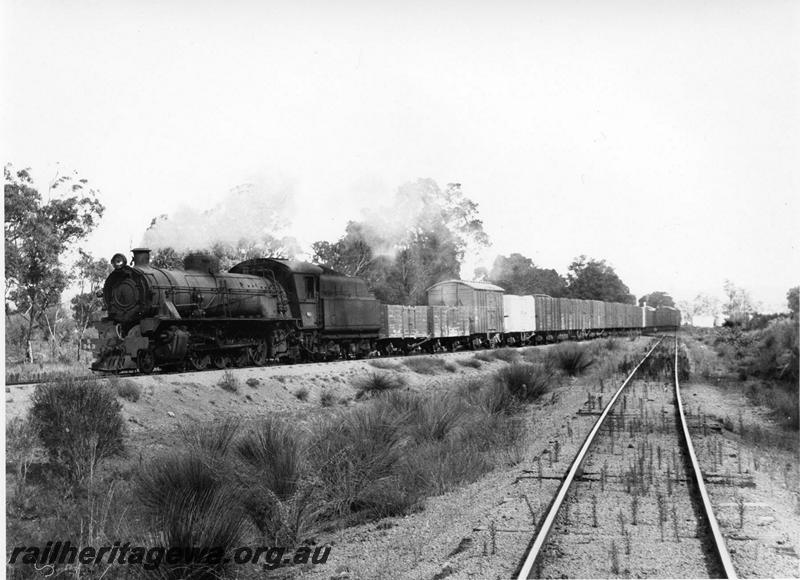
[(424, 365), (525, 381), (775, 352), (129, 390), (252, 382), (484, 356), (301, 393), (781, 398), (470, 362), (532, 355), (507, 355), (214, 437), (229, 382), (377, 383), (571, 358), (450, 367), (21, 441), (79, 423)]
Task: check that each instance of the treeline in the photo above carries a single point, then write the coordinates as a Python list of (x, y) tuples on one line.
[(423, 237), (40, 234), (420, 238)]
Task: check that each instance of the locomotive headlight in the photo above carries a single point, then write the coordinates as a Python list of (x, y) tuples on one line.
[(118, 261)]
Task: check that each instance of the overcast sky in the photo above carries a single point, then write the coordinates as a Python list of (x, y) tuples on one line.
[(663, 137)]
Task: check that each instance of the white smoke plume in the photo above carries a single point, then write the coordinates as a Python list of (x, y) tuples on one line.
[(255, 215)]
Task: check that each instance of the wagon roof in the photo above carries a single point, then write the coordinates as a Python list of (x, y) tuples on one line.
[(473, 285)]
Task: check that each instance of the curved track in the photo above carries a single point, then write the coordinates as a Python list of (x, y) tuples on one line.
[(718, 553)]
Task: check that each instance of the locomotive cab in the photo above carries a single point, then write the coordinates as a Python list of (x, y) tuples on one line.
[(333, 310)]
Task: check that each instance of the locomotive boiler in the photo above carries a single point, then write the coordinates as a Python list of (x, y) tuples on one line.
[(196, 316)]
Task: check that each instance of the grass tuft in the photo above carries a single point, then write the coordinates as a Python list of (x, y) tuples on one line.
[(274, 448), (189, 501), (376, 382), (525, 381), (508, 355), (229, 382), (472, 362), (425, 365), (328, 399), (214, 437), (386, 365), (571, 358), (128, 390)]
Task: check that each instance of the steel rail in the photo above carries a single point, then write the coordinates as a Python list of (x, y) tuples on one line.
[(547, 525), (719, 542)]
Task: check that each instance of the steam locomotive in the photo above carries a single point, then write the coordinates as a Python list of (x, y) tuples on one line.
[(271, 310)]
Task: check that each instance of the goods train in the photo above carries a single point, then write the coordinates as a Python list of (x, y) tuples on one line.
[(271, 310)]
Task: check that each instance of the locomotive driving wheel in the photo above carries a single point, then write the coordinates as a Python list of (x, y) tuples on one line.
[(146, 361), (258, 353), (219, 360), (198, 361)]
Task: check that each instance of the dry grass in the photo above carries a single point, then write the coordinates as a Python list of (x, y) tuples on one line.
[(473, 363), (527, 382), (125, 389), (378, 382), (229, 382), (328, 398), (425, 365), (508, 355), (573, 359), (213, 437), (386, 365)]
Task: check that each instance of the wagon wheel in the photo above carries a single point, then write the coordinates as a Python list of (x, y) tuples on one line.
[(199, 361), (219, 360), (258, 353), (146, 361)]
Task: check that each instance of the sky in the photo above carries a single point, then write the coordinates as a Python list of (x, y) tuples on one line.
[(662, 137)]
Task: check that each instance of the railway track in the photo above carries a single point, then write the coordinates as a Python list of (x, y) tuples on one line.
[(633, 502)]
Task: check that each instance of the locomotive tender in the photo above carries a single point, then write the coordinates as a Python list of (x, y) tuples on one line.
[(270, 309)]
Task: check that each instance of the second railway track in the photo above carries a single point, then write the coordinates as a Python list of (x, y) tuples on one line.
[(633, 503)]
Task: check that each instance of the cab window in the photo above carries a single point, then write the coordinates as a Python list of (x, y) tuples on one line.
[(310, 291)]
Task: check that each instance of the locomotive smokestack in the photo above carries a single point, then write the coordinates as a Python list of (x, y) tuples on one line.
[(141, 257)]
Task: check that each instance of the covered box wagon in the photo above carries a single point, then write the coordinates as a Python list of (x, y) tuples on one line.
[(483, 302)]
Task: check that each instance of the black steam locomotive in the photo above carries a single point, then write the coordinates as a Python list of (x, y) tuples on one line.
[(261, 310)]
